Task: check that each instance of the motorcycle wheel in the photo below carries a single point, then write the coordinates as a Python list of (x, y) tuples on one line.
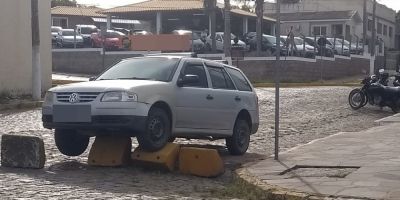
[(357, 99)]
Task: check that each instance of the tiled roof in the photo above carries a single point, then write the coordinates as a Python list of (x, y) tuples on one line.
[(323, 15), (77, 11), (158, 5)]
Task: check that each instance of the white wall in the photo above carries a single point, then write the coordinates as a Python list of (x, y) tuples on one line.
[(389, 15), (16, 46)]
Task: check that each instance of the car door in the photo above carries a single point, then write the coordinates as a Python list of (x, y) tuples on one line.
[(225, 103), (193, 100)]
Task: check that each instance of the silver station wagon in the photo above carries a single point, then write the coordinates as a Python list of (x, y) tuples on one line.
[(155, 99)]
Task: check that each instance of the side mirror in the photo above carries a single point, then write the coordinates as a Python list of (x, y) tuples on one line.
[(92, 78), (188, 79)]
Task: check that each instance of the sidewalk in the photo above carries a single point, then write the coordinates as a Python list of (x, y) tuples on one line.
[(362, 164)]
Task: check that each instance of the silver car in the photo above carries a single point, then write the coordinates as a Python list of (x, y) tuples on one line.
[(68, 38), (155, 99)]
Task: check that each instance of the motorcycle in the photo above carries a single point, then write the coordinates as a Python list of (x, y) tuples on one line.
[(376, 92)]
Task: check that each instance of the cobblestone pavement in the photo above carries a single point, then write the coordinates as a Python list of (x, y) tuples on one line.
[(306, 114)]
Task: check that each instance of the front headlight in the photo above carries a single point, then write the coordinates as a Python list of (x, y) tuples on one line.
[(119, 96), (48, 98)]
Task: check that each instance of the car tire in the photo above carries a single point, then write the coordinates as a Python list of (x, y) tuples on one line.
[(157, 131), (70, 143), (239, 142)]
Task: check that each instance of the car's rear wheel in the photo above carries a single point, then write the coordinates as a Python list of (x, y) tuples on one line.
[(157, 131), (70, 143), (239, 142)]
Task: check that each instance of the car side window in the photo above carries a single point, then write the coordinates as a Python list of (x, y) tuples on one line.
[(240, 81), (196, 69), (220, 79)]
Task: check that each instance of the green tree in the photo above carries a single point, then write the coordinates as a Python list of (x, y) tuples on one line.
[(55, 3)]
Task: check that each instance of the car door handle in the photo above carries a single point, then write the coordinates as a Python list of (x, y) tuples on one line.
[(209, 97), (237, 98)]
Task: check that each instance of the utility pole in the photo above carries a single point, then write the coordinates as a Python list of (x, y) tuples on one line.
[(373, 40), (259, 12), (365, 25), (36, 66), (277, 74), (227, 30)]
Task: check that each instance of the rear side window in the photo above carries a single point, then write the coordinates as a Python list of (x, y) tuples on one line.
[(240, 81), (220, 79)]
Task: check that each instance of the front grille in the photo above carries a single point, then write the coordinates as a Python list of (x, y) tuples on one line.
[(83, 96)]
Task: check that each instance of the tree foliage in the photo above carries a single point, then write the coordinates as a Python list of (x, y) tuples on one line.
[(245, 5), (55, 3)]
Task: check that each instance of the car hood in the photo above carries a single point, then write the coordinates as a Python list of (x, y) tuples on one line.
[(240, 42), (54, 34), (105, 86)]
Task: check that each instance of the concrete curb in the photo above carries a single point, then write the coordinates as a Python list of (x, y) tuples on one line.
[(21, 104)]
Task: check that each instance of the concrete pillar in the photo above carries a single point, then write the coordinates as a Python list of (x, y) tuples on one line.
[(109, 22), (245, 25), (158, 23), (273, 29)]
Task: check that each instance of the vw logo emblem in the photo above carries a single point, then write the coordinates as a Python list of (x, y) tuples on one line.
[(74, 98)]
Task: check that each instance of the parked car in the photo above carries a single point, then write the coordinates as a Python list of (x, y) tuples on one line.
[(354, 48), (219, 38), (247, 37), (338, 47), (122, 30), (198, 44), (302, 48), (326, 50), (68, 38), (86, 32), (155, 99), (113, 40), (268, 44), (54, 33)]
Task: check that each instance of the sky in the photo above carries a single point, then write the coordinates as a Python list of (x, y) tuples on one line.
[(394, 4)]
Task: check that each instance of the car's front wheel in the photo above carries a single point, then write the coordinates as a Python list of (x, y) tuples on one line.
[(157, 131), (70, 143), (239, 142)]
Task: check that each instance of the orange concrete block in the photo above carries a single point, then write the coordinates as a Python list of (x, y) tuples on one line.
[(200, 162), (110, 151), (165, 158)]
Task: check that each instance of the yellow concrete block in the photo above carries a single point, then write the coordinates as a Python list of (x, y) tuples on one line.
[(110, 151), (200, 162), (165, 158)]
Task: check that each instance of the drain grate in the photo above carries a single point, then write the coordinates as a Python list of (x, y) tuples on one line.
[(319, 171)]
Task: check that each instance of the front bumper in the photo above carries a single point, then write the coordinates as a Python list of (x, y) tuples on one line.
[(101, 123)]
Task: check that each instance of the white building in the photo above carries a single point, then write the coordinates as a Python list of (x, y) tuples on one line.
[(16, 46), (385, 20)]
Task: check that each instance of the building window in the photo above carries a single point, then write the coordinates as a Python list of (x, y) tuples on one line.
[(390, 31), (319, 30), (369, 25), (384, 30), (59, 21), (379, 28)]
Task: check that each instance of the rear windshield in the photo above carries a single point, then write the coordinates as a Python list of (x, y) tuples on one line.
[(68, 33), (113, 34), (88, 30)]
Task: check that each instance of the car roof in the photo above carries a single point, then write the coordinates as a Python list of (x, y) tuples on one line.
[(67, 30), (84, 25)]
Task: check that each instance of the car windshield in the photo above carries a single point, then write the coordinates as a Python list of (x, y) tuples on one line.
[(298, 41), (158, 69), (88, 30), (68, 33), (55, 29)]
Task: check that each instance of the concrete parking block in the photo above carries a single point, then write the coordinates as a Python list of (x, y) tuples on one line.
[(200, 162), (22, 151), (110, 151), (165, 159)]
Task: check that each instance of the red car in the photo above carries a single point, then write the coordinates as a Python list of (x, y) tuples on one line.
[(113, 40)]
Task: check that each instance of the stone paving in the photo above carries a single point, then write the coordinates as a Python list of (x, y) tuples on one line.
[(307, 114), (373, 155)]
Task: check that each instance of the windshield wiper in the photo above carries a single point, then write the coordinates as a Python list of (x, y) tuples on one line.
[(134, 78)]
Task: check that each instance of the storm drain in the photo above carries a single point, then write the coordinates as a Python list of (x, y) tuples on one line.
[(319, 171)]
